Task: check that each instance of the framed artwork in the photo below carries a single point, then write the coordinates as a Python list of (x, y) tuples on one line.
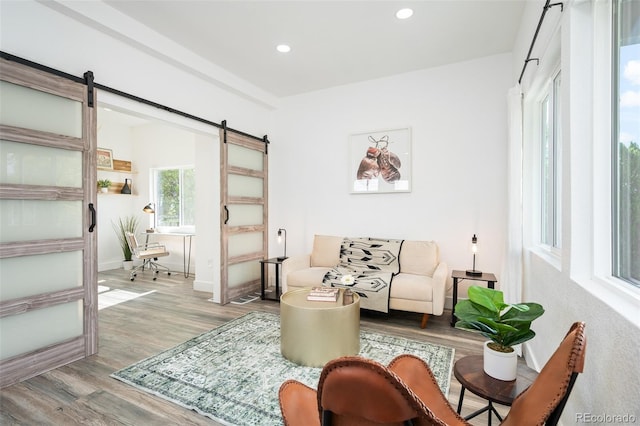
[(380, 161), (105, 158)]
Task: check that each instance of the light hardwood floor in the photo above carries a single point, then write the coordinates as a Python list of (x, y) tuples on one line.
[(83, 392)]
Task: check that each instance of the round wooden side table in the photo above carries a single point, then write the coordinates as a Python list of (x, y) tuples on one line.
[(470, 373)]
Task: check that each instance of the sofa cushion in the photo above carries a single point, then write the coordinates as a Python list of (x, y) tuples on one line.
[(412, 287), (310, 277), (419, 257), (326, 251)]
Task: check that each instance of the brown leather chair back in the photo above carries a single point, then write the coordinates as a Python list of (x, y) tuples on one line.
[(543, 402), (356, 391)]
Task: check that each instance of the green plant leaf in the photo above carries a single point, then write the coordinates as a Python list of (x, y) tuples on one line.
[(469, 311), (476, 326), (121, 227), (520, 337), (515, 315), (487, 297), (486, 313)]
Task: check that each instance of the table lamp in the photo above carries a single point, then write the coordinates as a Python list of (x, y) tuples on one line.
[(474, 249), (280, 232), (151, 209)]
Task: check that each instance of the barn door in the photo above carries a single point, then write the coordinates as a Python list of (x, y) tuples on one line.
[(48, 274), (244, 203)]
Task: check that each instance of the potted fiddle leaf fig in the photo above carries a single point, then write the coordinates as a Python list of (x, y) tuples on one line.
[(506, 325)]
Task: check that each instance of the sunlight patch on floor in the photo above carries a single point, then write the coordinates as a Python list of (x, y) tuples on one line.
[(107, 297)]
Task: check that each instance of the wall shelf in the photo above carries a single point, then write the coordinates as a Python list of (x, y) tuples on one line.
[(120, 167)]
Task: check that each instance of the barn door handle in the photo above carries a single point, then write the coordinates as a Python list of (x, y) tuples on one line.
[(226, 210), (93, 217)]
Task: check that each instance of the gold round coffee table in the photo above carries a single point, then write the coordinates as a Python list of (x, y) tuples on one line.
[(315, 332)]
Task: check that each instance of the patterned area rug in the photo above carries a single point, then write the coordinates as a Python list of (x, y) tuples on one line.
[(232, 373)]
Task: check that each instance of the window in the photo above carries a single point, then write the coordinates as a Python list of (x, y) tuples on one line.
[(174, 192), (626, 141), (550, 162)]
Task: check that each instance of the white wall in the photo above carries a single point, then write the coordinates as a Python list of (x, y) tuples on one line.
[(571, 288), (118, 138), (457, 114)]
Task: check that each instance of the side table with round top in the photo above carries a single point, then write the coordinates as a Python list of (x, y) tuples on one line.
[(470, 373), (315, 332)]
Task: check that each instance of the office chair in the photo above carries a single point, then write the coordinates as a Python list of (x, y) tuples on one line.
[(355, 397), (149, 254)]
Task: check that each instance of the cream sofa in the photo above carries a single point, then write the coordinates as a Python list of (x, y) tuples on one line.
[(420, 286)]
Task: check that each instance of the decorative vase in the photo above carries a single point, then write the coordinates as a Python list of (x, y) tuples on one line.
[(126, 188), (500, 365)]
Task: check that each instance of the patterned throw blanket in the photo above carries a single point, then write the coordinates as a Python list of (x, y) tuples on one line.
[(367, 266)]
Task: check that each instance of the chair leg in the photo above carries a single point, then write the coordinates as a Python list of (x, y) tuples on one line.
[(153, 267), (134, 271), (425, 318)]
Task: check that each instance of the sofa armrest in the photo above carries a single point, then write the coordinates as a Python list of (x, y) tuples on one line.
[(294, 263), (439, 288)]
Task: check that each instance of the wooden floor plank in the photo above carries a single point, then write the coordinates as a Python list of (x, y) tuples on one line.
[(84, 393)]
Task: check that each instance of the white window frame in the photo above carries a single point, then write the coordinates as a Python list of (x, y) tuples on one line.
[(594, 273), (552, 93), (615, 161), (154, 191), (548, 70)]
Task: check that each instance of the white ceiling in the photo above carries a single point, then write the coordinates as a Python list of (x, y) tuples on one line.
[(333, 42)]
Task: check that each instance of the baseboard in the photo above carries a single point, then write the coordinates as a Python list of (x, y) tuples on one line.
[(107, 266), (202, 285)]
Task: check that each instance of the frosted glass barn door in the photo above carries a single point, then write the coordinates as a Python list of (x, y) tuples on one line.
[(244, 213), (48, 275)]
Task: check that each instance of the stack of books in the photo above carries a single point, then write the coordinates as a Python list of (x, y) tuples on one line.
[(324, 294)]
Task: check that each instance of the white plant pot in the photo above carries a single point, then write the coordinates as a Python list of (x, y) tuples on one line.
[(500, 365), (104, 190), (127, 265)]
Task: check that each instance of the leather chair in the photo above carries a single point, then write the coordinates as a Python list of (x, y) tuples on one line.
[(354, 391), (355, 396)]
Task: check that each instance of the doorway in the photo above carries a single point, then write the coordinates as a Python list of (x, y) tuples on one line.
[(149, 139)]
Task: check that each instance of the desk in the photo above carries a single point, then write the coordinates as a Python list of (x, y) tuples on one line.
[(186, 258), (263, 276), (462, 275), (470, 373)]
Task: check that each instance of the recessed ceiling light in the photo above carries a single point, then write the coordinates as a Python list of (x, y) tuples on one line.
[(283, 48), (404, 13)]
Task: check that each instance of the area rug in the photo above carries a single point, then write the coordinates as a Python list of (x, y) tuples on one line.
[(232, 373)]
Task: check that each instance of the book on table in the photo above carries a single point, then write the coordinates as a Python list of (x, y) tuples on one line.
[(329, 294)]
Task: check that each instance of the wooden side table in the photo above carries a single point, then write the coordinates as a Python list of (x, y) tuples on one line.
[(462, 275), (470, 373), (263, 276)]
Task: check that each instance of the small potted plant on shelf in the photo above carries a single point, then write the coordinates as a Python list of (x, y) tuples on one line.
[(124, 225), (104, 185), (506, 325)]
